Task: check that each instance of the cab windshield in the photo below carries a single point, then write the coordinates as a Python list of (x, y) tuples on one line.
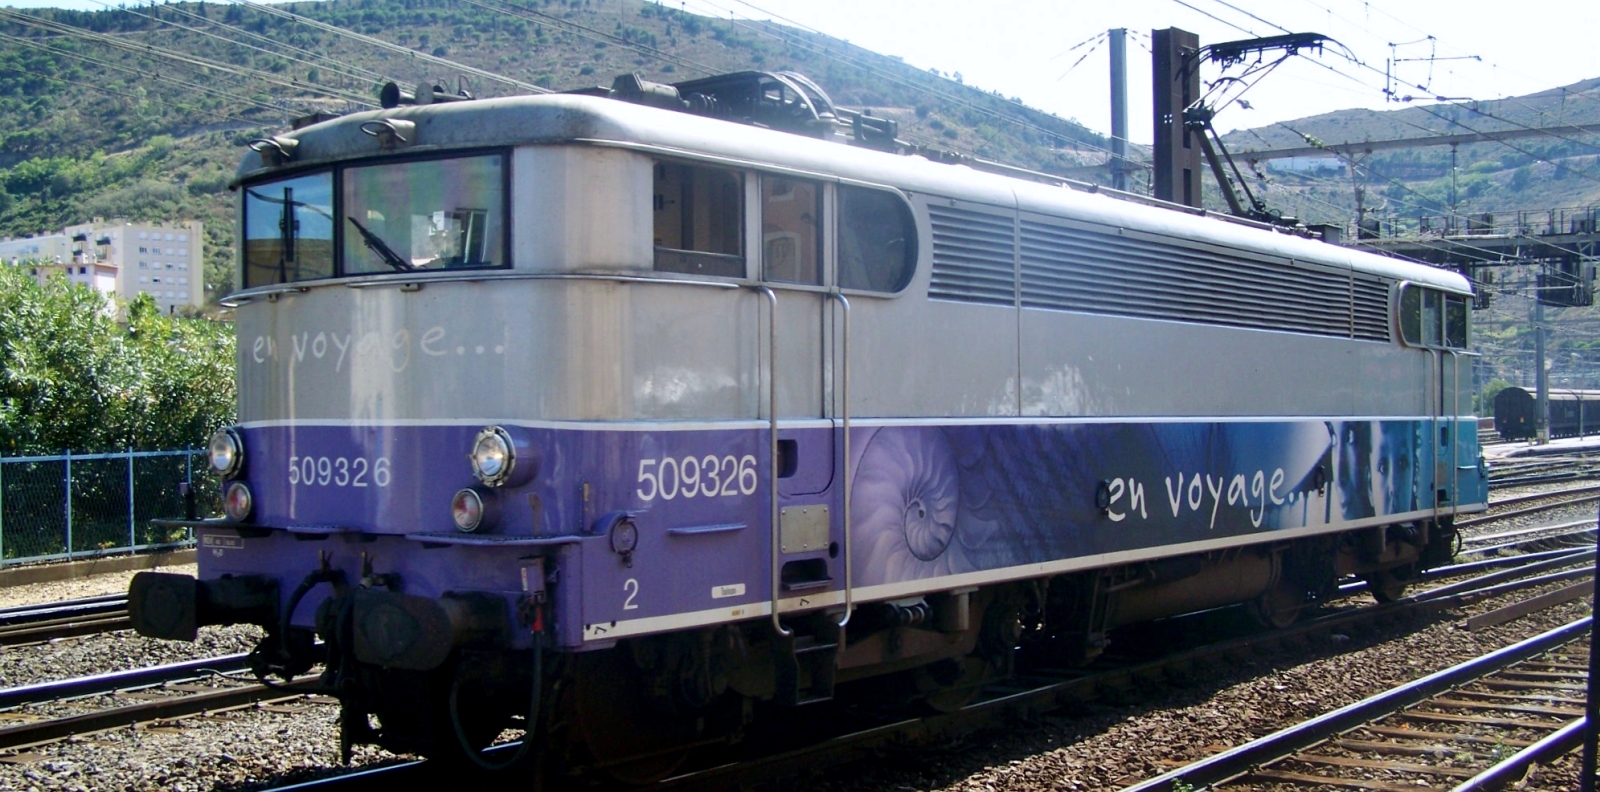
[(391, 217)]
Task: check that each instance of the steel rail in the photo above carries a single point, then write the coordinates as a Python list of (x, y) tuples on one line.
[(57, 690), (1514, 767), (1582, 475), (1543, 507), (1242, 759), (1515, 499), (1454, 570), (1527, 531), (1567, 539), (7, 615), (40, 622), (146, 711)]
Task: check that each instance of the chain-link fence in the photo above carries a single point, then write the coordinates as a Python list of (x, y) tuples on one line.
[(77, 505)]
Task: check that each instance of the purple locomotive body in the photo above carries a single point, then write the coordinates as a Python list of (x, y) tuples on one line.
[(615, 417)]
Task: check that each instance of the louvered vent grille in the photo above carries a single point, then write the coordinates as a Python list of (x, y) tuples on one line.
[(973, 256), (1371, 304), (1097, 272)]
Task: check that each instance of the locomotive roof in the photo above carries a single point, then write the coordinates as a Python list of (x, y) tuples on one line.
[(563, 118)]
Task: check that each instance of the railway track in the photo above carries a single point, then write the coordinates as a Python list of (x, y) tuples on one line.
[(1422, 734), (1543, 502), (1503, 473), (1040, 690), (35, 623), (140, 696)]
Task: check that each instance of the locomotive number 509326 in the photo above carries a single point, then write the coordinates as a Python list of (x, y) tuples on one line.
[(338, 471), (709, 476)]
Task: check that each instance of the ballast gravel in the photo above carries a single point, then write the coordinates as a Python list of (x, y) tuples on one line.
[(1107, 746), (1099, 746), (78, 588)]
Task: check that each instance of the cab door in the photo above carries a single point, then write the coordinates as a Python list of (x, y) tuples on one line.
[(792, 239)]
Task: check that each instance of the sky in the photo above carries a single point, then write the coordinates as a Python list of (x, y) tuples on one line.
[(1053, 56), (1025, 48)]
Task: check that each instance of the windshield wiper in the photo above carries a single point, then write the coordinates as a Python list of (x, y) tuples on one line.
[(376, 244)]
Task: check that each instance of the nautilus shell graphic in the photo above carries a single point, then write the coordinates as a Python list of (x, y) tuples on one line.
[(905, 504)]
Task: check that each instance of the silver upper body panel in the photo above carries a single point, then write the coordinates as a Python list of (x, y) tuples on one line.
[(571, 333)]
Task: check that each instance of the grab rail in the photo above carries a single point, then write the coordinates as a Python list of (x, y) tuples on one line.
[(1435, 406), (844, 413), (772, 432)]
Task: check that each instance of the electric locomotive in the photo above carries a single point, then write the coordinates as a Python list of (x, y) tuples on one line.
[(633, 413)]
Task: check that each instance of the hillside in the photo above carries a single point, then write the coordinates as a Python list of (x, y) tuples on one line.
[(1535, 174), (1523, 184), (141, 112)]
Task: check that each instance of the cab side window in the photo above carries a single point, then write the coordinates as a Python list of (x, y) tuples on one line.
[(877, 240), (699, 220), (791, 229), (1432, 318)]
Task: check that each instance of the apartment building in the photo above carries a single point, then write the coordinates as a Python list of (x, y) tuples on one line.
[(122, 258)]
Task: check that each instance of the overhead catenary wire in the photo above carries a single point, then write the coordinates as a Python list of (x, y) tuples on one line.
[(125, 95), (357, 71), (153, 51), (392, 47), (1351, 57), (584, 31), (321, 63), (898, 80), (139, 73)]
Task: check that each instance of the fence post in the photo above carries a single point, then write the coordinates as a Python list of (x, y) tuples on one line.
[(2, 511), (131, 542), (68, 457), (188, 478)]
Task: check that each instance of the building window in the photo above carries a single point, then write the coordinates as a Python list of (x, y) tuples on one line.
[(156, 280), (142, 250), (183, 237), (143, 279), (143, 235), (183, 281)]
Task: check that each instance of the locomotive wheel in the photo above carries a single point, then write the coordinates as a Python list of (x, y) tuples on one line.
[(1280, 606), (1388, 585), (949, 685), (631, 737)]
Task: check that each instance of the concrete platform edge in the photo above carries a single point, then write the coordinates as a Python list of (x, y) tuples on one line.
[(71, 570)]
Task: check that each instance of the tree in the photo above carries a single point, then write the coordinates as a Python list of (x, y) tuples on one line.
[(1491, 389), (73, 377)]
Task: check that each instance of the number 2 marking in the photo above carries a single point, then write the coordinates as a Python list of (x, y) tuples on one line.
[(631, 586)]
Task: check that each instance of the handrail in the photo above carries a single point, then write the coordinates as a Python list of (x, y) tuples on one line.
[(1435, 404), (420, 278), (772, 432), (1455, 432), (844, 412)]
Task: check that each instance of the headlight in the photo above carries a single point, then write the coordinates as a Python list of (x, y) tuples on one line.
[(226, 452), (237, 501), (502, 456), (470, 510)]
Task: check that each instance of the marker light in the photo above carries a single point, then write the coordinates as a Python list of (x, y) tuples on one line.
[(471, 511), (237, 501), (226, 452)]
